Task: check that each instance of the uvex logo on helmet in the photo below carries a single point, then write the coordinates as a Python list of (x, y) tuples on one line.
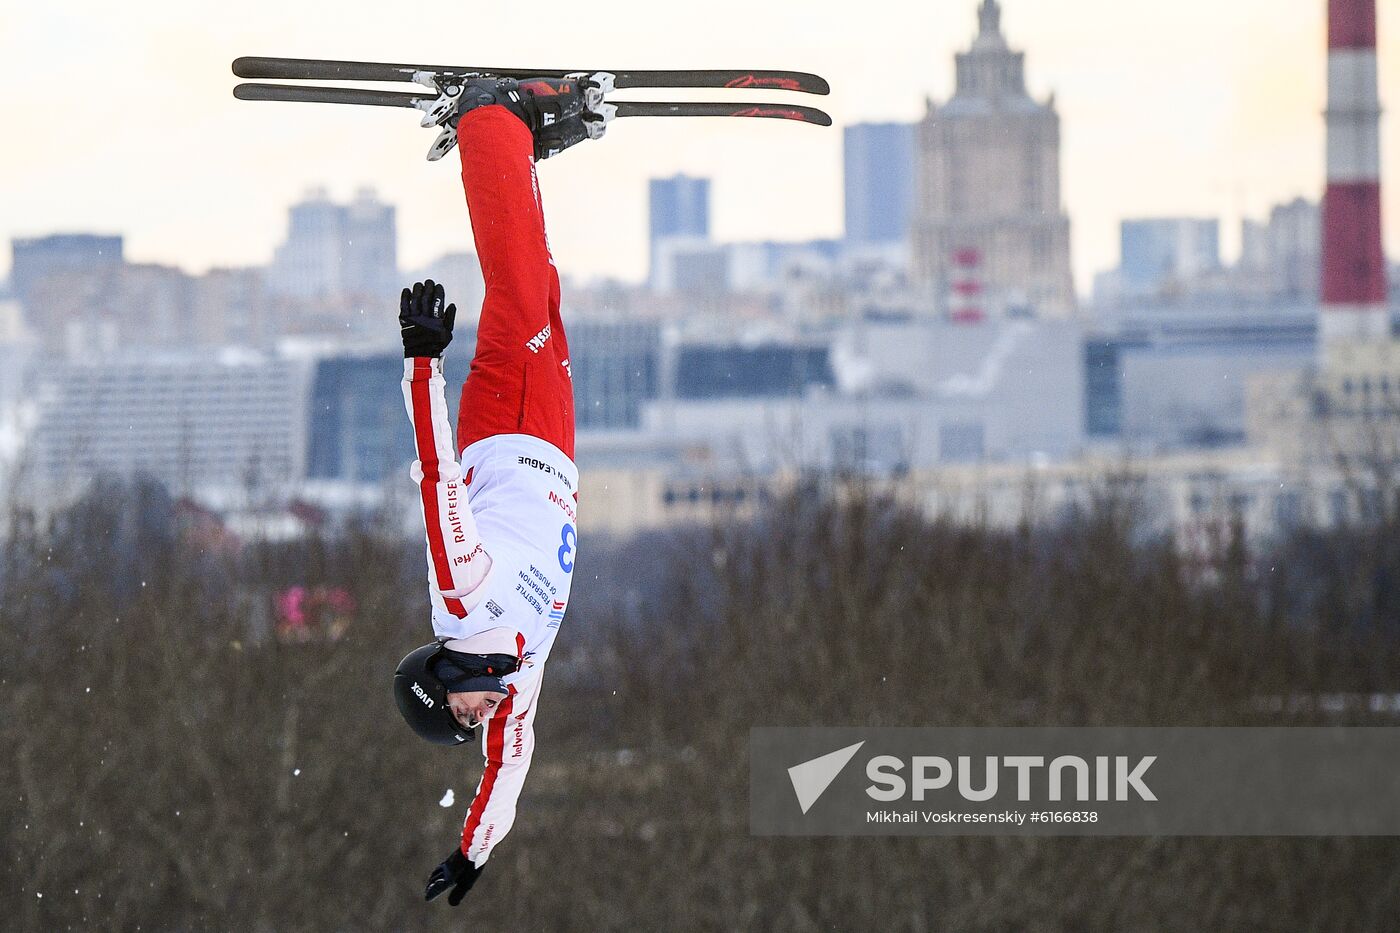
[(422, 695)]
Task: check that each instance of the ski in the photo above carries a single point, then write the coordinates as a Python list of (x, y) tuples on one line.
[(710, 109), (428, 101), (333, 95), (316, 69)]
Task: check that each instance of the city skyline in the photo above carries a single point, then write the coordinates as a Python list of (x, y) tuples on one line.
[(1223, 122)]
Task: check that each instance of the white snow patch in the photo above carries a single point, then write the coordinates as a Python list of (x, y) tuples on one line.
[(447, 799)]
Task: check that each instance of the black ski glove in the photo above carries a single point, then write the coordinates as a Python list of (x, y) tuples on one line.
[(425, 324), (456, 873)]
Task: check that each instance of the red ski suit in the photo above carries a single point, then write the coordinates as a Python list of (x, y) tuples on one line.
[(519, 382), (499, 507)]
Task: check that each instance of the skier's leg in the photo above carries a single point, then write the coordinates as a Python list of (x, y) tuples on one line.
[(517, 383)]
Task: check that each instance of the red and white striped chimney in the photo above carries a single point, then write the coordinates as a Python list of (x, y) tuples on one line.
[(1353, 264), (967, 293)]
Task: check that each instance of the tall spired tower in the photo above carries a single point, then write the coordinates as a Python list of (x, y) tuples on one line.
[(989, 233), (1353, 265)]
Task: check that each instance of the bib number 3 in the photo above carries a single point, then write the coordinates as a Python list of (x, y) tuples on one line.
[(569, 540)]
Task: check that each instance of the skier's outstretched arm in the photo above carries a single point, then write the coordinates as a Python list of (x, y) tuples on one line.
[(457, 560), (508, 744)]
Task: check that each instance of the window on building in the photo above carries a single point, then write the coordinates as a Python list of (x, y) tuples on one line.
[(1337, 507), (961, 442), (1370, 503), (1288, 510)]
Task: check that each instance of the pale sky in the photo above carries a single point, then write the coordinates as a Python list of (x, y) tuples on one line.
[(119, 117)]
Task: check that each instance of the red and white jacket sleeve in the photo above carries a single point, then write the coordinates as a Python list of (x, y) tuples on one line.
[(457, 561), (508, 743)]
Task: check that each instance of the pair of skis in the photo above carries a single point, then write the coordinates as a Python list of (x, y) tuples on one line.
[(443, 84)]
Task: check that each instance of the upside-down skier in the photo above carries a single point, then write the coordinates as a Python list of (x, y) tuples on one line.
[(499, 507)]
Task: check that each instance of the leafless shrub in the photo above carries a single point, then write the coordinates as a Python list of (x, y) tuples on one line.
[(171, 766)]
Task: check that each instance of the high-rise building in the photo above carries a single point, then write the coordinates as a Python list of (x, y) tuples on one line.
[(370, 264), (1162, 251), (988, 185), (41, 257), (879, 174), (616, 366), (771, 370), (689, 265), (1295, 249), (228, 306), (104, 307), (334, 249), (679, 210), (1281, 258), (191, 421), (307, 264)]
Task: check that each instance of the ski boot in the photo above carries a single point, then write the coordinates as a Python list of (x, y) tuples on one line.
[(554, 139), (552, 109)]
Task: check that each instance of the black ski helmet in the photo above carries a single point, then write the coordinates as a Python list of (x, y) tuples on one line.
[(422, 698), (421, 688)]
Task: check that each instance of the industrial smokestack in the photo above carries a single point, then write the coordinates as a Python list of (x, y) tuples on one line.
[(1353, 264)]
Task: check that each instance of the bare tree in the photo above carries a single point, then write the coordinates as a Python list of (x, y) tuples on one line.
[(169, 768)]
